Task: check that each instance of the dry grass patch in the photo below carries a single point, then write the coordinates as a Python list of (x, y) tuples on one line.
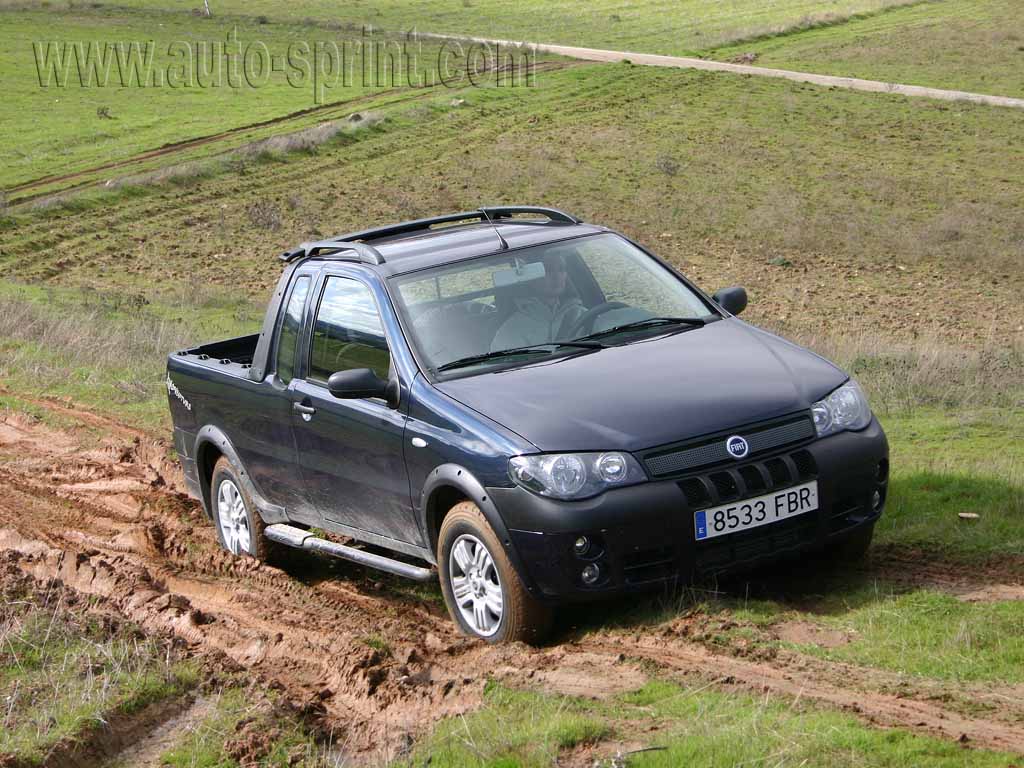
[(901, 376)]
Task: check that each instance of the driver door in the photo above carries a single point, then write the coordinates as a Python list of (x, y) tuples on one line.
[(351, 451)]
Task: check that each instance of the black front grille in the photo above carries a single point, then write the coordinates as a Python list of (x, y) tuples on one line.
[(726, 485), (753, 479), (779, 472), (805, 464), (710, 450), (696, 492), (748, 479)]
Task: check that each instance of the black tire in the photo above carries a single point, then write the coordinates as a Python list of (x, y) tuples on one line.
[(523, 618), (259, 546), (854, 547)]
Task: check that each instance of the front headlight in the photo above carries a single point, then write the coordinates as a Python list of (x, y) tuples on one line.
[(846, 408), (574, 475)]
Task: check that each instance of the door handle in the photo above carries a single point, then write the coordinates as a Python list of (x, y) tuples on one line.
[(307, 411)]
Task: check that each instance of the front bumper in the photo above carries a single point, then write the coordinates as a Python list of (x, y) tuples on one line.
[(643, 536)]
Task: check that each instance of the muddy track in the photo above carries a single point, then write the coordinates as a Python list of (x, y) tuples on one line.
[(106, 518)]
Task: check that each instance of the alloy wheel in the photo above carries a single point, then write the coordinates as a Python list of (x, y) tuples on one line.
[(476, 585), (234, 522)]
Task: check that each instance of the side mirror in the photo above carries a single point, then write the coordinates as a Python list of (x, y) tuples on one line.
[(733, 300), (357, 383)]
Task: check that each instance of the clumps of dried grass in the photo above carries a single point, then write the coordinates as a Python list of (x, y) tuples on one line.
[(84, 341), (900, 376), (110, 343), (238, 161), (264, 215)]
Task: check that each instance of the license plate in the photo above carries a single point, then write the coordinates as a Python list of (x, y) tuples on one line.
[(753, 513)]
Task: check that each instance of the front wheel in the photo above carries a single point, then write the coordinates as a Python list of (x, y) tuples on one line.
[(482, 590), (239, 525)]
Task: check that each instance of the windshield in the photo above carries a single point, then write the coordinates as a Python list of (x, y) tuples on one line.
[(478, 310)]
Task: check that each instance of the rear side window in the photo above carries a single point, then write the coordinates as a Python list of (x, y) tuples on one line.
[(348, 332), (288, 337)]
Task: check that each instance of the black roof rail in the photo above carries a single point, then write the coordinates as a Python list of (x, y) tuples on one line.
[(553, 215), (362, 252), (486, 215)]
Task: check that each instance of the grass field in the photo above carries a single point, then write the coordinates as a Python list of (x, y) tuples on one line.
[(154, 95), (654, 26), (819, 202), (67, 128), (970, 45)]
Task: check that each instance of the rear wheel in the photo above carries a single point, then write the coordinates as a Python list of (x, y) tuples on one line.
[(482, 590), (239, 526)]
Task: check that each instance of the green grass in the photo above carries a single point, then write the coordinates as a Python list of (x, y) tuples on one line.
[(933, 635), (513, 728), (63, 674), (953, 462), (651, 26), (923, 507), (685, 726), (378, 643), (970, 45), (58, 130), (977, 437)]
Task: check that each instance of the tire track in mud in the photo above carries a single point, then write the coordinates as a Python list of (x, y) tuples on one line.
[(106, 519)]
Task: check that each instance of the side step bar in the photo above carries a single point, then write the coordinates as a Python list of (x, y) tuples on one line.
[(291, 536)]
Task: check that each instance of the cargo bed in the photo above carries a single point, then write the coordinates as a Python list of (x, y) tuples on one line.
[(232, 356)]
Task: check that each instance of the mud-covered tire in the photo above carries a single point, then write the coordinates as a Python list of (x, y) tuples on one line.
[(522, 617), (854, 547), (258, 545)]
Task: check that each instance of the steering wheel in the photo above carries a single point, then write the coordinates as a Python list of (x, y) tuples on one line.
[(586, 320)]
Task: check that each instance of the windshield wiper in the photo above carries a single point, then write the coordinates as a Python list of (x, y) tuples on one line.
[(650, 322), (549, 347)]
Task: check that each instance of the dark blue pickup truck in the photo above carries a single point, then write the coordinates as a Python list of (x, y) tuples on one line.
[(534, 409)]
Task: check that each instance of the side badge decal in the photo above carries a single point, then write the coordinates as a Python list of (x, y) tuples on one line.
[(173, 389)]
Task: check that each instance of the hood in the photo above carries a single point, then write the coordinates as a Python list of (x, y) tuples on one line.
[(726, 374)]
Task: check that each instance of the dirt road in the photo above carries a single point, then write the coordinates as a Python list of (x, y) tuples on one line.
[(707, 65), (99, 507)]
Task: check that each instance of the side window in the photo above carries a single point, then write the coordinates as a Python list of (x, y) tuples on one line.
[(291, 324), (348, 332)]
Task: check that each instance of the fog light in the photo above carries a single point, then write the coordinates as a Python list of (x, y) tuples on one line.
[(590, 574), (876, 500), (581, 546)]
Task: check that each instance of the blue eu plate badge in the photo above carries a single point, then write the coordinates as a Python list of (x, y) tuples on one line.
[(701, 520)]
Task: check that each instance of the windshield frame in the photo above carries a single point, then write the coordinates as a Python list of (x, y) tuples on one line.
[(405, 321)]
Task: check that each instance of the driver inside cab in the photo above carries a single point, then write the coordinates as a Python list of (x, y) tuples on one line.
[(546, 316)]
